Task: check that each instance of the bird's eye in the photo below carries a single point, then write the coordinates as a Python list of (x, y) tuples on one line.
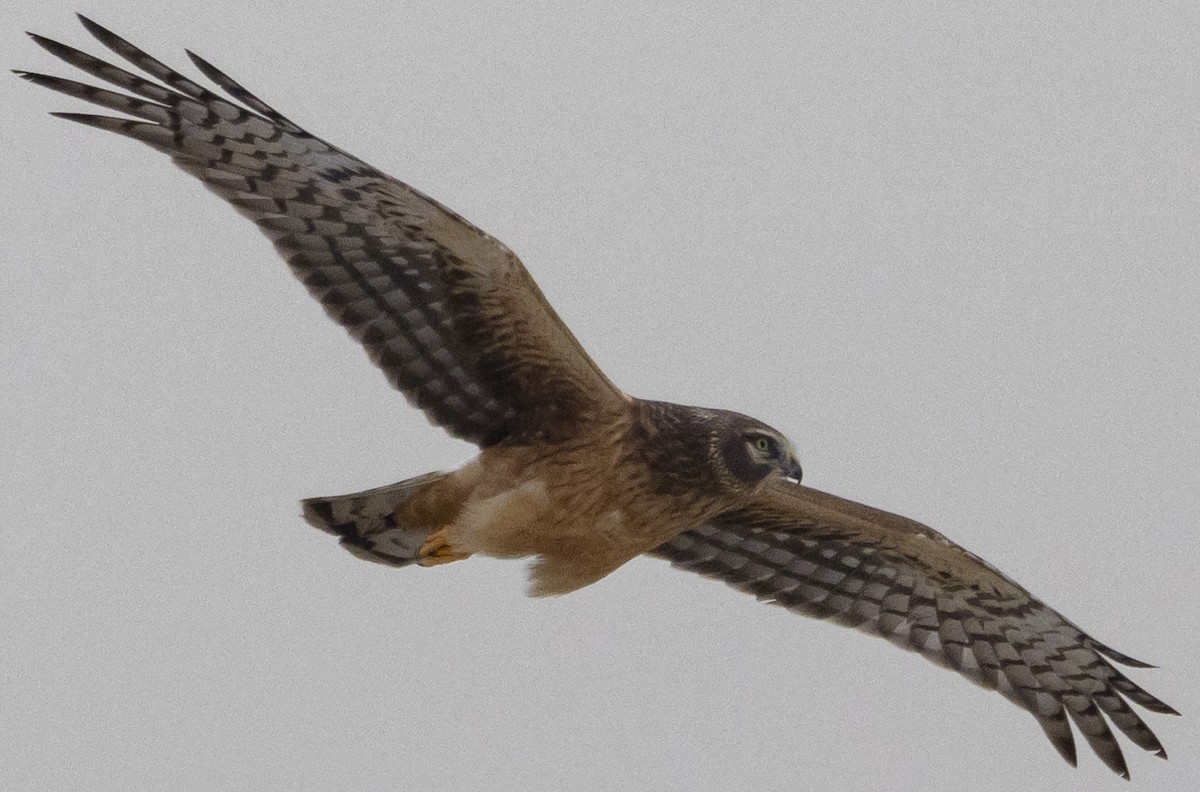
[(763, 444)]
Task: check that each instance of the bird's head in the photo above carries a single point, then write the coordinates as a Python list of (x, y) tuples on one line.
[(691, 447), (748, 452)]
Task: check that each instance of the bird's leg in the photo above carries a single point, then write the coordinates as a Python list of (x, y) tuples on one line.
[(440, 503), (437, 550)]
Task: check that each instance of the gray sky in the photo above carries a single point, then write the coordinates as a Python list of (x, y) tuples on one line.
[(951, 252)]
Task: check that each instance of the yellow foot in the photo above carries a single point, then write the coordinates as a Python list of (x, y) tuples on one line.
[(437, 550)]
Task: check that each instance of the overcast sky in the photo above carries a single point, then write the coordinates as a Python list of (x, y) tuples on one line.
[(951, 252)]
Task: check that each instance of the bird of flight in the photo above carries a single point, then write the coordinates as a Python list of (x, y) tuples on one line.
[(572, 472)]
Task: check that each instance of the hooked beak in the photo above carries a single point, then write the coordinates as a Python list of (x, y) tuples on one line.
[(794, 471)]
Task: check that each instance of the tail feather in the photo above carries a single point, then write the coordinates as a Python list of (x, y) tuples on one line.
[(365, 521)]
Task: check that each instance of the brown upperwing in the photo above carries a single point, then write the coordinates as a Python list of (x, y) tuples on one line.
[(449, 313), (835, 559)]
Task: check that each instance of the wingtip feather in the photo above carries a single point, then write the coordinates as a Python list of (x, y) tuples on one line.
[(48, 44), (93, 27), (108, 123), (1120, 657), (101, 33), (206, 68)]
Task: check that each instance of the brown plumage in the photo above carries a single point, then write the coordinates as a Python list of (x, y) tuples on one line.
[(572, 472)]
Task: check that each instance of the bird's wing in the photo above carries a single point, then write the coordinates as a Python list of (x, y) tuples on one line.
[(835, 559), (449, 313)]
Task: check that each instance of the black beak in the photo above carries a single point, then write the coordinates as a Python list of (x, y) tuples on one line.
[(793, 470)]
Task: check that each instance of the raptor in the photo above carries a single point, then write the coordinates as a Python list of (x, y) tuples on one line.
[(572, 472)]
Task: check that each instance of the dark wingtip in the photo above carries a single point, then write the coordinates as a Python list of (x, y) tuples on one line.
[(208, 70), (1120, 768), (36, 78), (93, 27), (45, 43), (106, 36), (1066, 749), (1120, 657), (204, 66), (1125, 659)]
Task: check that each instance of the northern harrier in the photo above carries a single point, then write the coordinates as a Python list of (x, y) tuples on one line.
[(573, 472)]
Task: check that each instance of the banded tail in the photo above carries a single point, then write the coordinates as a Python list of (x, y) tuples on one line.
[(366, 523)]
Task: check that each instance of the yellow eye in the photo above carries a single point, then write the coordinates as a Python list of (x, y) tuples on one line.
[(762, 444)]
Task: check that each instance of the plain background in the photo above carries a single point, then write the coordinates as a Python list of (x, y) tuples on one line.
[(950, 249)]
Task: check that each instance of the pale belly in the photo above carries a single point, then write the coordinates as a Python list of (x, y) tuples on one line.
[(577, 519)]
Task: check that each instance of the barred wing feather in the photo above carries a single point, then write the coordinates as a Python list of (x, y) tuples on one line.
[(835, 559), (448, 312)]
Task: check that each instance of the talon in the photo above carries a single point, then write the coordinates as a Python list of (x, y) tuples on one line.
[(437, 550)]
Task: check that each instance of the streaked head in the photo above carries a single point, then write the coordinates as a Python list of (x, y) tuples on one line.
[(749, 452)]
